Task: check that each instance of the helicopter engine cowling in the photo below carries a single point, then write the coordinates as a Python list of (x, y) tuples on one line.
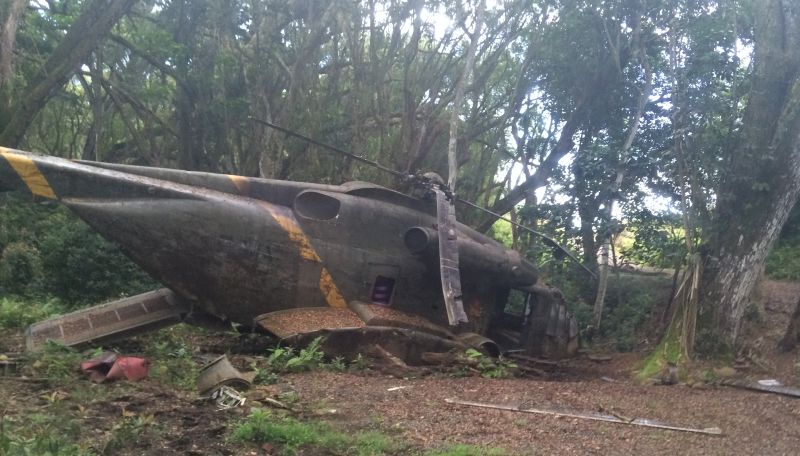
[(507, 267)]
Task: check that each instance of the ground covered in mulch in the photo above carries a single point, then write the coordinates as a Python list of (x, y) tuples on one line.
[(158, 417)]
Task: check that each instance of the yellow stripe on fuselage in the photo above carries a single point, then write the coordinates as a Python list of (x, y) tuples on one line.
[(327, 286), (29, 173), (241, 184), (331, 292)]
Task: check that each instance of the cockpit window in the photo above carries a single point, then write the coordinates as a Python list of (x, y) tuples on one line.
[(517, 303)]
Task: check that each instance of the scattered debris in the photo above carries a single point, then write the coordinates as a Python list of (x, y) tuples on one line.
[(274, 403), (220, 372), (594, 416), (110, 366), (532, 360), (725, 372), (769, 382), (599, 358), (9, 364), (395, 388), (608, 379), (774, 389), (226, 397)]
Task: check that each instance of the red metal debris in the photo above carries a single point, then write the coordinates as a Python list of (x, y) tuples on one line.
[(110, 366)]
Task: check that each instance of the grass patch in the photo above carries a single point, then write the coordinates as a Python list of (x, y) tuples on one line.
[(468, 450), (46, 434), (262, 427)]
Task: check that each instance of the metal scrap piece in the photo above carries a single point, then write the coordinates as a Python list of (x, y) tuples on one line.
[(226, 397), (220, 372), (593, 416)]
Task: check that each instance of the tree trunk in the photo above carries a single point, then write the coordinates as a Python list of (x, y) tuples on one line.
[(789, 340), (452, 158), (762, 180), (88, 31), (10, 16), (622, 162)]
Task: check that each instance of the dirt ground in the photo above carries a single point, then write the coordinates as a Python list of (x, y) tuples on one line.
[(176, 421)]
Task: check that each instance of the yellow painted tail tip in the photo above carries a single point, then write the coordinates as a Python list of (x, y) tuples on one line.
[(29, 173)]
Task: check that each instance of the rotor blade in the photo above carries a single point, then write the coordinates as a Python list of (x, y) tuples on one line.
[(331, 148), (448, 259), (548, 240)]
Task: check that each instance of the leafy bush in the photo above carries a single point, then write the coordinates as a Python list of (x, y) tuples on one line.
[(55, 362), (492, 367), (783, 261), (16, 313), (82, 268), (171, 357), (45, 250), (20, 268), (285, 359), (629, 306)]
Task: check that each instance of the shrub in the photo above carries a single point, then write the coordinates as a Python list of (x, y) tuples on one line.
[(20, 268), (16, 313)]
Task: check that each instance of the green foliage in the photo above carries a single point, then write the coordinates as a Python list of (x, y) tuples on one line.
[(128, 432), (467, 450), (669, 350), (338, 364), (658, 240), (292, 435), (629, 305), (492, 367), (37, 437), (72, 250), (20, 268), (171, 358), (287, 359), (17, 313), (284, 359), (360, 362), (46, 251), (55, 362), (783, 261)]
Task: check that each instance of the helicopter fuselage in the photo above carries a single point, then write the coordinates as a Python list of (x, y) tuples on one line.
[(241, 248)]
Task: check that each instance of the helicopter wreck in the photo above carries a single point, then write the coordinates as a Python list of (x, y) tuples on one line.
[(358, 263)]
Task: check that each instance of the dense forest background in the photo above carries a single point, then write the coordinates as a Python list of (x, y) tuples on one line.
[(655, 132)]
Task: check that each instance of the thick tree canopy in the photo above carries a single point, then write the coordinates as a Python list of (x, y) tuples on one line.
[(666, 118)]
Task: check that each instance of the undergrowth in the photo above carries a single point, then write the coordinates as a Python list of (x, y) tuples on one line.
[(783, 261), (55, 362), (492, 367), (467, 450), (19, 313), (172, 357), (32, 439), (288, 359), (292, 435)]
